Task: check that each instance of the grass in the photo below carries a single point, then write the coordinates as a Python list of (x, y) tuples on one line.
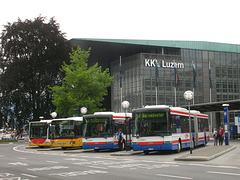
[(6, 141)]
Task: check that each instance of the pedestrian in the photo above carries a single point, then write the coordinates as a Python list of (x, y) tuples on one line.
[(215, 138), (220, 135), (120, 139)]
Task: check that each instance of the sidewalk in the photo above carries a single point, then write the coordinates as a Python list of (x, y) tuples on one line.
[(205, 153)]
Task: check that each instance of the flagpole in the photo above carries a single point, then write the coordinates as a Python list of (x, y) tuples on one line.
[(210, 82), (193, 95), (156, 95), (121, 83), (156, 78), (175, 96), (194, 79), (210, 95), (176, 82)]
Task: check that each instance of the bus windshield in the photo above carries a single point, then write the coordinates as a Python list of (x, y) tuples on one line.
[(97, 127), (38, 130), (151, 124), (63, 129)]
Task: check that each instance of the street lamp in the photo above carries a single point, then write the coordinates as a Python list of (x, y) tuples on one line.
[(54, 115), (83, 110), (125, 106), (188, 95), (226, 123)]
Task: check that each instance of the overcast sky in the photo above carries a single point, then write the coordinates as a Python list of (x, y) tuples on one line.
[(193, 20)]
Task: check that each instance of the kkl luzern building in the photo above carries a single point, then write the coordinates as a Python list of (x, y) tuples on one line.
[(210, 70)]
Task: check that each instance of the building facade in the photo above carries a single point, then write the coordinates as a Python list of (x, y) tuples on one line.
[(139, 74)]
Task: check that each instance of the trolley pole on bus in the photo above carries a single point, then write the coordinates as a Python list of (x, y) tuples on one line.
[(125, 106), (188, 95)]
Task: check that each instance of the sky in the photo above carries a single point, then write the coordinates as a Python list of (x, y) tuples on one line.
[(188, 20)]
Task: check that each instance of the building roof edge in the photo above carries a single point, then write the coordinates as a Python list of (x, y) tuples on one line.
[(198, 45)]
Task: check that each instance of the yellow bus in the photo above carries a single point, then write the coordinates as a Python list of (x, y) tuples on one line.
[(66, 132)]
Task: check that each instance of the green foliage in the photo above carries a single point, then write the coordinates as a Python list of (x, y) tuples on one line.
[(82, 86), (31, 53)]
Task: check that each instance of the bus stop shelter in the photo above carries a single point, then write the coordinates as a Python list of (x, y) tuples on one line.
[(215, 106)]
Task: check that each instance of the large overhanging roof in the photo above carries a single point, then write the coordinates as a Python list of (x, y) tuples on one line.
[(216, 106), (199, 45)]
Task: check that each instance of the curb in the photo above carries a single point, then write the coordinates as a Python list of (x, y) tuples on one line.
[(202, 158), (221, 153)]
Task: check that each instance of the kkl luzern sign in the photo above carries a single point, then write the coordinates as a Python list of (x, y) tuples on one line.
[(151, 63)]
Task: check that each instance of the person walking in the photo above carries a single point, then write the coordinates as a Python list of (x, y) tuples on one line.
[(220, 135), (120, 138)]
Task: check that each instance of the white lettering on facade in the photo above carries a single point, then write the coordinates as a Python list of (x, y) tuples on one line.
[(164, 64)]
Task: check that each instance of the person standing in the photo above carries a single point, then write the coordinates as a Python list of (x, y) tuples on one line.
[(220, 134), (120, 138), (215, 138)]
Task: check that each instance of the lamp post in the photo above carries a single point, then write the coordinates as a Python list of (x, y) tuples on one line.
[(125, 106), (188, 95), (226, 123), (83, 110), (54, 115)]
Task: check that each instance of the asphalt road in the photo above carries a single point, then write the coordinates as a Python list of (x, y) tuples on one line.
[(18, 163)]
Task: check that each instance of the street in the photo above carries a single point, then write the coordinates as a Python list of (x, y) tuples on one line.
[(19, 162)]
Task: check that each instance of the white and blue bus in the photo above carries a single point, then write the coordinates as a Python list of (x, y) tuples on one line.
[(162, 127), (100, 128)]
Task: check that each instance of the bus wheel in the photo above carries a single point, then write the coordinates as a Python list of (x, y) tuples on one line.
[(146, 152), (179, 147)]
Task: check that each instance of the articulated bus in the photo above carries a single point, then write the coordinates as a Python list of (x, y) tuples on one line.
[(66, 132), (39, 133), (163, 127), (100, 128)]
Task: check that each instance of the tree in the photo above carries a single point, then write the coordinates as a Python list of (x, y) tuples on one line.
[(31, 53), (82, 86)]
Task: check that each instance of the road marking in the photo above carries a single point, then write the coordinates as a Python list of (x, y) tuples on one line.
[(223, 173), (18, 163), (55, 162), (6, 174), (97, 167), (48, 168), (79, 173), (29, 175), (212, 166), (177, 177), (75, 159), (22, 158)]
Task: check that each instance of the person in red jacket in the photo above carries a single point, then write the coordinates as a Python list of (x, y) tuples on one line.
[(220, 135)]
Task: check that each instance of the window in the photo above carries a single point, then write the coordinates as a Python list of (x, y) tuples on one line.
[(230, 71)]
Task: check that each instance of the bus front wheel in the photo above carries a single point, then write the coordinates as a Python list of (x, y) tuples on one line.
[(146, 152)]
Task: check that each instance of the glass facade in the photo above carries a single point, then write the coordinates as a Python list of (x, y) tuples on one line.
[(139, 78)]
